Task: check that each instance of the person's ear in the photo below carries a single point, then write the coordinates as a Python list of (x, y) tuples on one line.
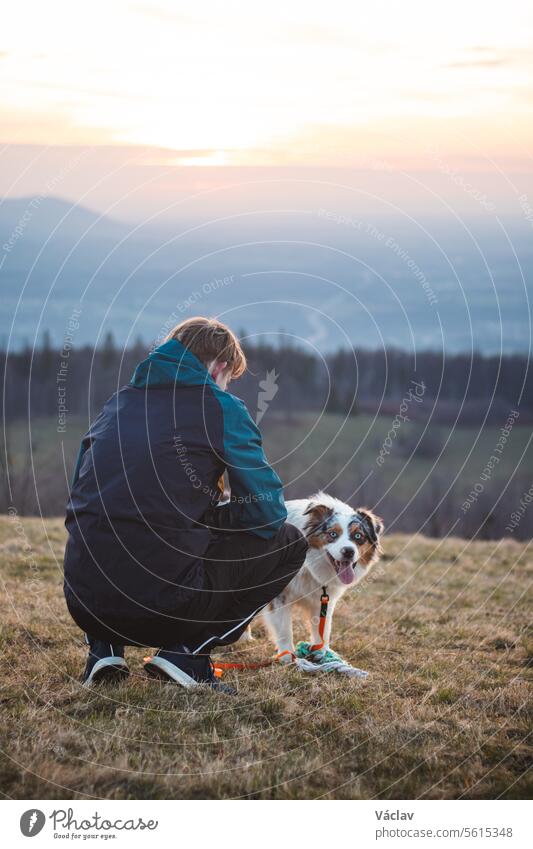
[(217, 367)]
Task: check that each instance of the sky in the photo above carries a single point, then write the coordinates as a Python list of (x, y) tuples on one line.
[(182, 85), (220, 124)]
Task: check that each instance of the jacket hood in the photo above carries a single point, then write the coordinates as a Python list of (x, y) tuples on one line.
[(171, 364)]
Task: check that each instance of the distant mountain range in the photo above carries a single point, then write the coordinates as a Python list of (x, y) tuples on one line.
[(36, 218), (324, 280)]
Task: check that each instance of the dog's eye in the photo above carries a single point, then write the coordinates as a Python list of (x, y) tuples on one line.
[(333, 534), (358, 537)]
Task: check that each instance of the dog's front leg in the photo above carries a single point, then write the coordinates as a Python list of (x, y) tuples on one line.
[(247, 635), (278, 620)]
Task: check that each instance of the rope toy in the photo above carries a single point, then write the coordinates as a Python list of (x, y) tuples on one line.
[(311, 659)]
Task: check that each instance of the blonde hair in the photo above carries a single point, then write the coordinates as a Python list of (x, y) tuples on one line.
[(209, 339)]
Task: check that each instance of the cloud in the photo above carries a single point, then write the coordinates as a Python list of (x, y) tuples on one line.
[(61, 86), (479, 63), (483, 57), (165, 15)]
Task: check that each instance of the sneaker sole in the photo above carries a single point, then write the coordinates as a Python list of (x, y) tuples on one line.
[(160, 668), (108, 669)]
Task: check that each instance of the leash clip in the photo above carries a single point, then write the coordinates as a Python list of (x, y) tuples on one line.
[(324, 601)]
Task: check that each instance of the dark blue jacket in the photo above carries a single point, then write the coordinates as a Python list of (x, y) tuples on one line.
[(147, 479)]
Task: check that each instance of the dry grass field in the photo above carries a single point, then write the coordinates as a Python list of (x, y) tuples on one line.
[(445, 712)]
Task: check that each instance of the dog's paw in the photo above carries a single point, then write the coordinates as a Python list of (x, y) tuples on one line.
[(246, 636), (285, 657)]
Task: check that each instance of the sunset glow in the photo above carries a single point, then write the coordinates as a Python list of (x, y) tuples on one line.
[(220, 85)]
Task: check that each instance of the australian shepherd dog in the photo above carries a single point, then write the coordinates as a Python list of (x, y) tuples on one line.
[(343, 546)]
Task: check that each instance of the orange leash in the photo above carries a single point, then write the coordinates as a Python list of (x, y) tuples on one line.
[(324, 601), (219, 667)]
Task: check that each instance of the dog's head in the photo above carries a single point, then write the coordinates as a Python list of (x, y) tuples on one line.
[(346, 537)]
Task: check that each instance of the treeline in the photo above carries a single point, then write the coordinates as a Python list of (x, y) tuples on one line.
[(38, 382), (51, 395)]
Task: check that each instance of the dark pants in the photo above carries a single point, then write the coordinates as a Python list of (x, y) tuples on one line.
[(238, 576), (243, 573)]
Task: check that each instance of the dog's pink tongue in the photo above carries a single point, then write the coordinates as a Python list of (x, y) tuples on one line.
[(346, 572)]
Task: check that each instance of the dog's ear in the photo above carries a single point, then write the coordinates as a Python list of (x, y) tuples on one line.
[(318, 513), (374, 523)]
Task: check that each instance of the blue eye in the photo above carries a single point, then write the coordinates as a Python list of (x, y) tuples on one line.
[(333, 534), (358, 536)]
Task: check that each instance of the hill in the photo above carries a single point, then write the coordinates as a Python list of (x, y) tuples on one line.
[(36, 218), (312, 278), (443, 714)]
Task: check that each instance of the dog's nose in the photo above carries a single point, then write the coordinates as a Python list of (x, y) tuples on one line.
[(348, 552)]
